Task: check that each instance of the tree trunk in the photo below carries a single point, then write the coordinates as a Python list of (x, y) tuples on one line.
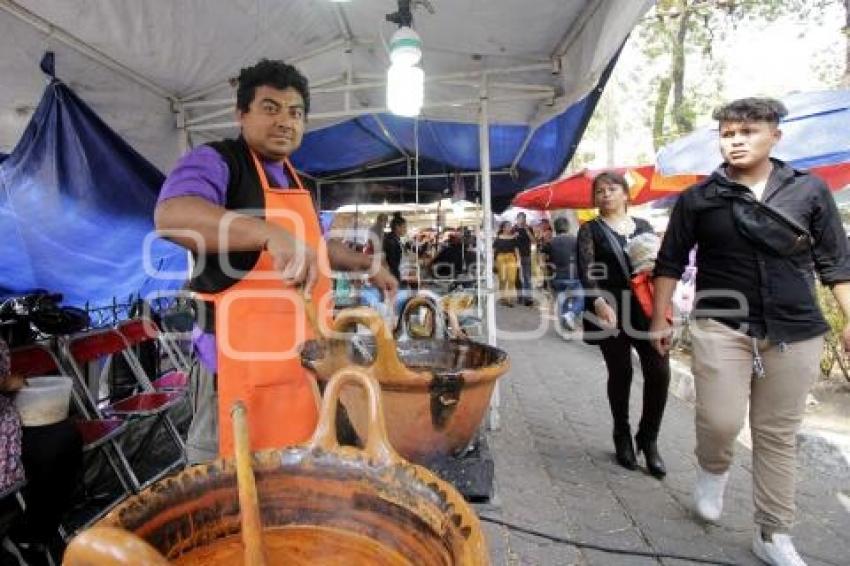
[(660, 113), (683, 123)]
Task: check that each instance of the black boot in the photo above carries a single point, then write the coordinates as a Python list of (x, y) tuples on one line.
[(625, 450), (654, 463)]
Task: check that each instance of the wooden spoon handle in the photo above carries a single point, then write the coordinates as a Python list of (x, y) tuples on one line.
[(249, 507), (312, 316)]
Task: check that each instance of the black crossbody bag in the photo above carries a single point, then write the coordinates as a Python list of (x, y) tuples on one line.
[(765, 226)]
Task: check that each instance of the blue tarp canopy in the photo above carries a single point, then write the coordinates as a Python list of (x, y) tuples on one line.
[(76, 210), (385, 146), (814, 133), (77, 202)]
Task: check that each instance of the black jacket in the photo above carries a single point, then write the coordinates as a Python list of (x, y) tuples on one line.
[(779, 292)]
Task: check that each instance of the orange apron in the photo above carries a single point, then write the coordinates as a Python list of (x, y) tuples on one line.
[(260, 323)]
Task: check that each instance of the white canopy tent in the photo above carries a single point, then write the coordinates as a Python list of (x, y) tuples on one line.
[(159, 71)]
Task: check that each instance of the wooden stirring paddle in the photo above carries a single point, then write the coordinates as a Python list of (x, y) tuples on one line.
[(249, 506)]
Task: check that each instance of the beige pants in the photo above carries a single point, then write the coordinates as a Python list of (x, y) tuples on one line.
[(722, 364)]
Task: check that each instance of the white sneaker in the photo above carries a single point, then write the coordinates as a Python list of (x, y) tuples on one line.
[(708, 494), (779, 551), (570, 321)]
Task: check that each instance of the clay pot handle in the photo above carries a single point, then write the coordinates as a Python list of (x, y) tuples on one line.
[(433, 304), (109, 546), (377, 446), (386, 363)]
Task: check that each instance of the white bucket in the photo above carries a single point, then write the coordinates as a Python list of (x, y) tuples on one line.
[(44, 400)]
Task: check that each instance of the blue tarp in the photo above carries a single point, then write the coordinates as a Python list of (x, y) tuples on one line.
[(814, 133), (444, 148), (76, 206)]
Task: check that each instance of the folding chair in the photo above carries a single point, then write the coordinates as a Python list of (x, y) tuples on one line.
[(175, 331), (97, 433), (101, 346), (138, 331)]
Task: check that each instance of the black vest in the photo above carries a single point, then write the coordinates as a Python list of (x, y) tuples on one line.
[(244, 194)]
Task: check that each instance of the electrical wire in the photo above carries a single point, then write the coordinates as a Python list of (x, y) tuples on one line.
[(603, 548)]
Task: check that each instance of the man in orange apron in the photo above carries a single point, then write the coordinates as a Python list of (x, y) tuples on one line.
[(239, 206)]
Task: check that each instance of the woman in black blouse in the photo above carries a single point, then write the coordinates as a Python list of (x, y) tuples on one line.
[(615, 322)]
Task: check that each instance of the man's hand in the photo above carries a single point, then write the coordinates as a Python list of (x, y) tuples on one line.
[(661, 335), (12, 383), (385, 281), (606, 313), (296, 262)]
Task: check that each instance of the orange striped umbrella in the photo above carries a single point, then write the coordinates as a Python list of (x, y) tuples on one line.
[(645, 184)]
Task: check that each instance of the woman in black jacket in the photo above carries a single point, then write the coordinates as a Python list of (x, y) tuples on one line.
[(615, 322)]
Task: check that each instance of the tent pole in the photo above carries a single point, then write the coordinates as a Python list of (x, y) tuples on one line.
[(487, 207), (416, 171), (354, 112), (386, 178)]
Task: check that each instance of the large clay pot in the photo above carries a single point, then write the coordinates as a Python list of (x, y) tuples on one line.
[(435, 392), (320, 504)]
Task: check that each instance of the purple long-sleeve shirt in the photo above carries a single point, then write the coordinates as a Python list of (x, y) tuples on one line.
[(203, 173)]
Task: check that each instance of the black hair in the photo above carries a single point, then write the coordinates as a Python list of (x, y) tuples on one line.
[(273, 73), (504, 226), (751, 110), (396, 221), (561, 225)]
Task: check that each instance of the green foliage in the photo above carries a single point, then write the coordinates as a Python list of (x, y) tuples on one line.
[(677, 31), (835, 319)]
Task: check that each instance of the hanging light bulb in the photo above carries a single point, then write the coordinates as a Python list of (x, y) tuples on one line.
[(405, 90), (405, 81)]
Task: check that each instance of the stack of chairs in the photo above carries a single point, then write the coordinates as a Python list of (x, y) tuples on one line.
[(121, 429), (89, 358), (99, 433)]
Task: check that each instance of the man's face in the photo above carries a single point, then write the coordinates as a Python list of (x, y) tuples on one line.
[(274, 123), (520, 219), (745, 145)]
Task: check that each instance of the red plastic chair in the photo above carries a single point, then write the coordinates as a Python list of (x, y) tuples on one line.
[(174, 380), (102, 346), (139, 330)]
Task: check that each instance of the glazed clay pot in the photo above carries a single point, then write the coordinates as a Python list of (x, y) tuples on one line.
[(320, 504), (436, 392)]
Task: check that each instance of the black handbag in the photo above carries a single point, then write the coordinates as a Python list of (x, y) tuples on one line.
[(767, 227)]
